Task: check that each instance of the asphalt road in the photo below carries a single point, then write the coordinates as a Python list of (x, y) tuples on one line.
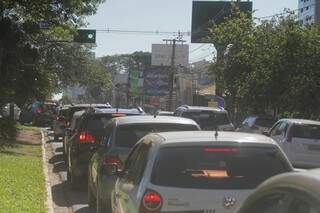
[(65, 199)]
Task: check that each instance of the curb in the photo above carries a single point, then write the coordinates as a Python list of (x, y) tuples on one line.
[(49, 203)]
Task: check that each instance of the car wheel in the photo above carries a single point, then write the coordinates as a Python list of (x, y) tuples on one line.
[(91, 199)]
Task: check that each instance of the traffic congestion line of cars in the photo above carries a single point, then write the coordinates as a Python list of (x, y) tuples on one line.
[(134, 162)]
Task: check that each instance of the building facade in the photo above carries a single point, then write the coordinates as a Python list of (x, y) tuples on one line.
[(309, 12)]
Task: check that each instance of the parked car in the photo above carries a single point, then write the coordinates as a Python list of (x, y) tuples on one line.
[(297, 192), (300, 140), (195, 171), (39, 113), (121, 136), (256, 124), (88, 130), (59, 123), (208, 118)]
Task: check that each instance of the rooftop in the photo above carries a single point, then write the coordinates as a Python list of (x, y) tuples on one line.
[(301, 121), (201, 108)]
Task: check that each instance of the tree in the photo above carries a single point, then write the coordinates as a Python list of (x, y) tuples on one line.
[(274, 65)]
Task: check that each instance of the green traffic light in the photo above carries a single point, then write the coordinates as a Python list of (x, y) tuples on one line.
[(90, 36)]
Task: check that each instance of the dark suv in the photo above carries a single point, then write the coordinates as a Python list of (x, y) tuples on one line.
[(208, 118), (88, 129)]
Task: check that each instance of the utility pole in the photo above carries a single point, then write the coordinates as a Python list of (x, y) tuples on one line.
[(172, 72)]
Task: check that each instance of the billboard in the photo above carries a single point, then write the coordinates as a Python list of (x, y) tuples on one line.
[(156, 81), (162, 54), (204, 12), (134, 76)]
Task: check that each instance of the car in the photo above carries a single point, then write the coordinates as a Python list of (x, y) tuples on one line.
[(69, 116), (300, 140), (297, 192), (59, 123), (121, 135), (88, 130), (165, 113), (256, 124), (194, 171), (207, 117), (39, 113)]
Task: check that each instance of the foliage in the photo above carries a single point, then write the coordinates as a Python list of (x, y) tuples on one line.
[(7, 129), (271, 66)]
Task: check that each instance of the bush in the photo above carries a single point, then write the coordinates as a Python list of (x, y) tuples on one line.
[(7, 131)]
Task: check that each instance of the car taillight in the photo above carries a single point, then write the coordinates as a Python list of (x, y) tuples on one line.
[(222, 150), (85, 137), (39, 110), (60, 118), (151, 202), (113, 160)]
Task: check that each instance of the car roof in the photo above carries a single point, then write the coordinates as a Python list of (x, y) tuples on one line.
[(201, 108), (300, 121), (152, 119), (136, 111), (208, 137), (79, 113)]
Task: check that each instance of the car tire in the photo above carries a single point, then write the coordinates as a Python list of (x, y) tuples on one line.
[(91, 199)]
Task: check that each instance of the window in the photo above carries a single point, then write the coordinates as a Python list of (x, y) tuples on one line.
[(301, 10), (136, 163), (306, 131), (129, 135), (216, 167), (280, 129), (208, 119)]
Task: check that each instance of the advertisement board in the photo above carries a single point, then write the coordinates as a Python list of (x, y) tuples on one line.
[(156, 81), (204, 12), (162, 54)]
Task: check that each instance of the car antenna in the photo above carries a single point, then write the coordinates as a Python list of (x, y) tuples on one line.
[(155, 112)]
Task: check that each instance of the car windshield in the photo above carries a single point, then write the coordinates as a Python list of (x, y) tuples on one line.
[(128, 135), (306, 131), (208, 119), (217, 167)]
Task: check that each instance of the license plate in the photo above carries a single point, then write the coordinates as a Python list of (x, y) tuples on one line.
[(314, 147)]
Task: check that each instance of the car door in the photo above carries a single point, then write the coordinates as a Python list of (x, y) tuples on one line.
[(127, 187), (279, 134)]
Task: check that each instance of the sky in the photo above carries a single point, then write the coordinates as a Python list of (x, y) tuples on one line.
[(157, 15)]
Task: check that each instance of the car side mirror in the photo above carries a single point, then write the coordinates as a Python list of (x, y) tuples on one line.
[(266, 133)]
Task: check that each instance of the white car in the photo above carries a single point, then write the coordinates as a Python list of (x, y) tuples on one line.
[(195, 172), (299, 139)]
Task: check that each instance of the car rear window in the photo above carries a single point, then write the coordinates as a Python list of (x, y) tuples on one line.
[(217, 167), (96, 124), (208, 119), (128, 135), (265, 122), (306, 131)]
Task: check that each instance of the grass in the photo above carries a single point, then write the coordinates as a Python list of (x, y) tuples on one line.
[(22, 182), (24, 127)]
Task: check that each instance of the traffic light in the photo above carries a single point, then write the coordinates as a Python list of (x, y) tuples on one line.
[(85, 36)]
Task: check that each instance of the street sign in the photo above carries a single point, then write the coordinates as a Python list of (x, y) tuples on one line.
[(85, 36), (162, 54)]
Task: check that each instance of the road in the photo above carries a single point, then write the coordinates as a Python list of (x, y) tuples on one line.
[(65, 199)]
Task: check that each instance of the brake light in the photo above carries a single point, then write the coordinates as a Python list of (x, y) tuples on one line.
[(85, 137), (60, 118), (151, 202), (118, 114), (113, 160), (222, 150), (39, 110)]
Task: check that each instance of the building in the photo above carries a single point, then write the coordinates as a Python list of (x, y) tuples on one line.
[(309, 11)]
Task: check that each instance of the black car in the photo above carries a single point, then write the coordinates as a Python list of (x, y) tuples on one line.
[(87, 130)]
